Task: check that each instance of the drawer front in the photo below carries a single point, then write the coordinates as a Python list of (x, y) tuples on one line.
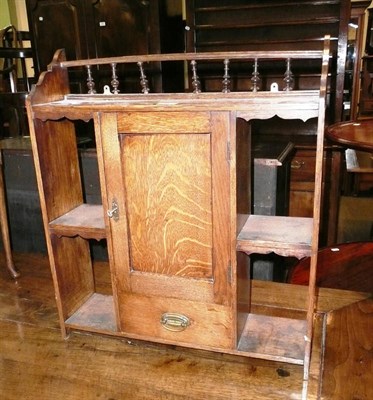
[(303, 167), (366, 106), (301, 204), (176, 321)]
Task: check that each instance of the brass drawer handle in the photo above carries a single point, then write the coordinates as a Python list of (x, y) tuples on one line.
[(297, 164), (174, 322)]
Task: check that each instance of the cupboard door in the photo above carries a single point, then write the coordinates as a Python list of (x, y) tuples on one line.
[(125, 27), (168, 181), (56, 25)]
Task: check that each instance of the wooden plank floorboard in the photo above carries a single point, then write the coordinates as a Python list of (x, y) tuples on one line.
[(36, 363), (29, 299)]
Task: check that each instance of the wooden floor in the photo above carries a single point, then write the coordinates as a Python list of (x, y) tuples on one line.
[(36, 363)]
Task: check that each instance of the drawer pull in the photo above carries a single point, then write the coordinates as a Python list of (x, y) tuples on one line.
[(174, 322), (297, 164)]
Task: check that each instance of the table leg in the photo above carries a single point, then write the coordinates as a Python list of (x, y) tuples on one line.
[(5, 227)]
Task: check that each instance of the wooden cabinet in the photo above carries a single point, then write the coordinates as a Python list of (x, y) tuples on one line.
[(301, 190), (366, 96), (174, 175), (95, 28), (301, 197), (366, 93), (356, 38)]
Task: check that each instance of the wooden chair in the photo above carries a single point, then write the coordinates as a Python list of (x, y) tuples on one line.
[(15, 85), (347, 266), (13, 71)]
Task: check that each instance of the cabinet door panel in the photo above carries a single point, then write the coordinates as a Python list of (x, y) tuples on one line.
[(124, 27), (168, 197), (55, 25)]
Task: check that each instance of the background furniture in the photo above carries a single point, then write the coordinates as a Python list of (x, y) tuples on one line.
[(91, 29), (16, 82), (20, 143), (271, 170), (359, 173), (355, 50), (353, 134), (366, 95), (13, 121), (173, 200), (105, 28), (4, 223), (346, 266), (233, 25)]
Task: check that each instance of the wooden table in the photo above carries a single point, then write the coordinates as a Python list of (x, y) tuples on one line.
[(355, 134)]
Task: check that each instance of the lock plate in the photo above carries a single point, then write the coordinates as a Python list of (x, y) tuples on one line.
[(114, 211)]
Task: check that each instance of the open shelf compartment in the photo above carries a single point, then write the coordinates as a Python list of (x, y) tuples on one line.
[(96, 314), (286, 236), (274, 338), (86, 220)]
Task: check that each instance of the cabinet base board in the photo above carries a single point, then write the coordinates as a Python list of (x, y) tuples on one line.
[(266, 337)]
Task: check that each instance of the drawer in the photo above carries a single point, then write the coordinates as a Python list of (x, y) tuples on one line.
[(301, 203), (366, 106), (161, 320), (303, 167)]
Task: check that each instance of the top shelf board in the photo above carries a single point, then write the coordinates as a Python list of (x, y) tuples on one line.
[(293, 104)]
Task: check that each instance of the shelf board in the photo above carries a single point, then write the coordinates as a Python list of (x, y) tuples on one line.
[(95, 315), (301, 104), (86, 220), (274, 338), (286, 236)]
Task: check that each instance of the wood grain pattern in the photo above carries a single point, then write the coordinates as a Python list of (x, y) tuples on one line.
[(348, 370), (271, 344), (41, 366), (75, 282), (168, 193), (65, 184)]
